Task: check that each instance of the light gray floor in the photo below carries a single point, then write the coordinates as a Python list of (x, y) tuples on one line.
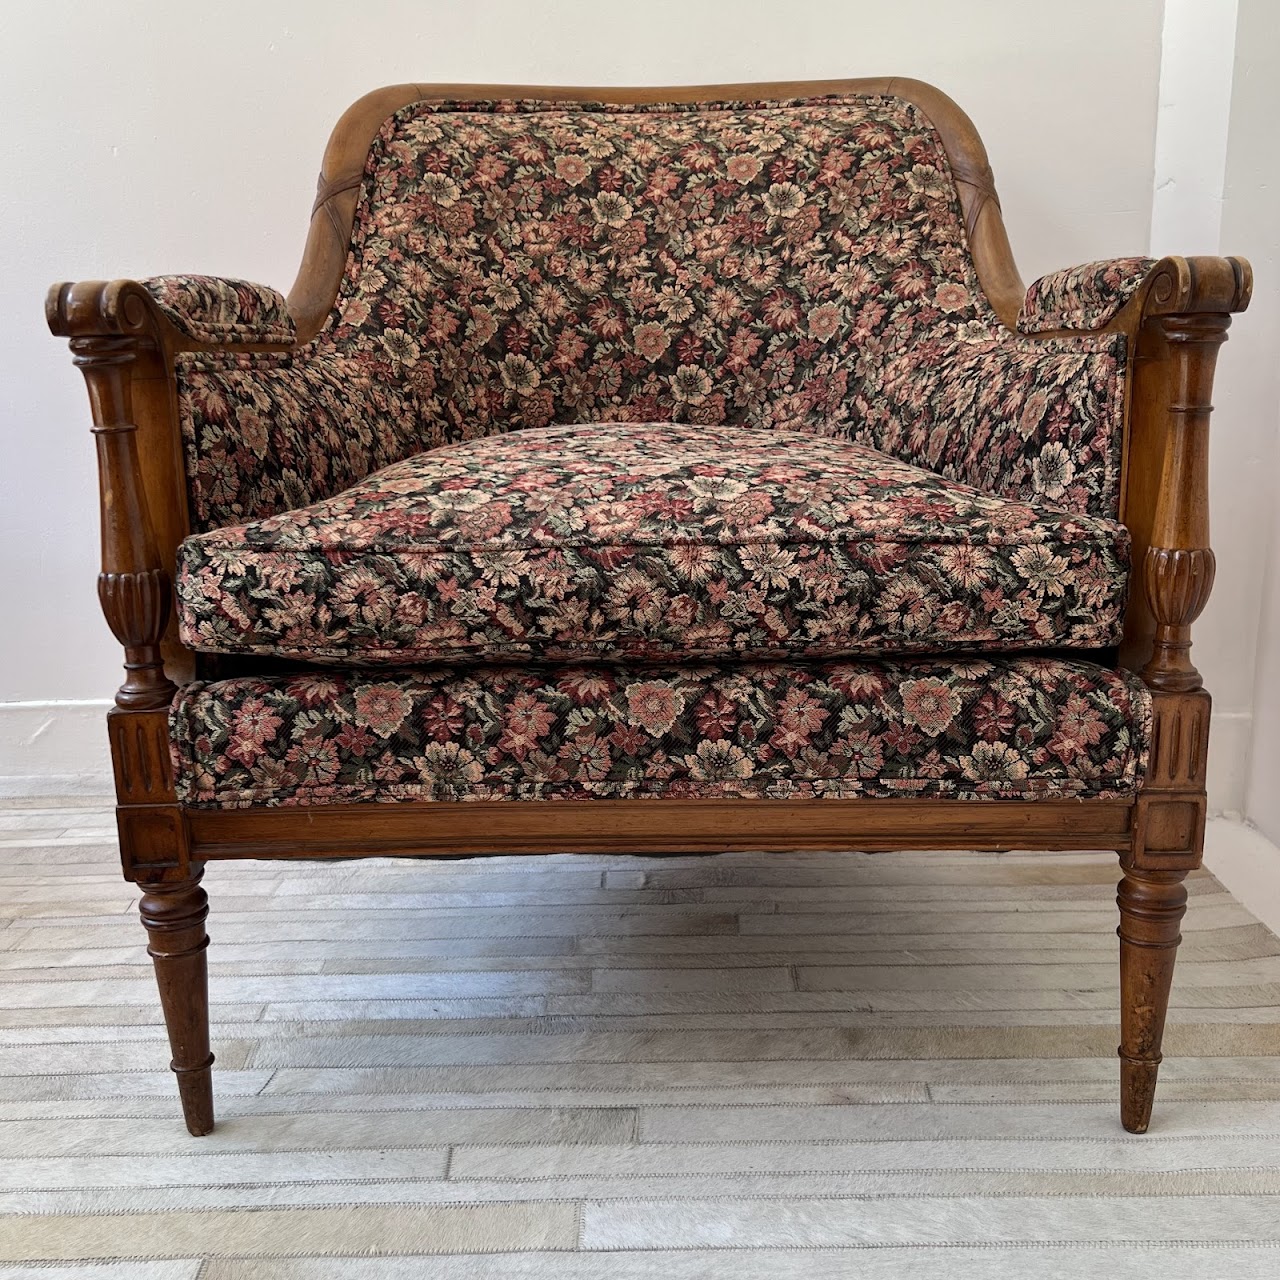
[(752, 1066)]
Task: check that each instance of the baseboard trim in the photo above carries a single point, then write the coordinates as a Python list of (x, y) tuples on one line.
[(1230, 733), (1248, 865)]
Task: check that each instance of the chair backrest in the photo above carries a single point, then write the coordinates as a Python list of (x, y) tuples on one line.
[(524, 263), (800, 263)]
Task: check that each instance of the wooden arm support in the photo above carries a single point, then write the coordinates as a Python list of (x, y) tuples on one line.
[(1181, 321), (118, 343), (134, 587), (1179, 564), (1185, 312), (109, 327)]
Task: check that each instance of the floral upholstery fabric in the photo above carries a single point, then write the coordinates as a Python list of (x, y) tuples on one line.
[(652, 542), (1085, 297), (278, 431), (1024, 728), (954, 408), (211, 309), (799, 265)]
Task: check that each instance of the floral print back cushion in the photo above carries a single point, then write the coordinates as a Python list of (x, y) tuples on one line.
[(653, 542), (800, 265), (1007, 728)]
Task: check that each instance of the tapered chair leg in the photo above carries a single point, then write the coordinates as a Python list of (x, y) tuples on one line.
[(1152, 904), (174, 915)]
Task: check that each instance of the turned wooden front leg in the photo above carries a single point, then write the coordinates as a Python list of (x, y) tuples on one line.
[(1152, 904), (174, 915)]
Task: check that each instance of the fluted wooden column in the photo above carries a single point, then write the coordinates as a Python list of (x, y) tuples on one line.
[(1179, 565)]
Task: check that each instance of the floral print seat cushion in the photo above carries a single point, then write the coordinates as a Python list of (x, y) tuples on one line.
[(799, 264), (652, 542), (999, 728)]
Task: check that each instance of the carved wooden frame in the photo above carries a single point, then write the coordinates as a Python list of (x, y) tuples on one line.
[(125, 347)]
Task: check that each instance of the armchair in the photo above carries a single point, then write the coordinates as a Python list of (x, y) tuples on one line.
[(651, 471)]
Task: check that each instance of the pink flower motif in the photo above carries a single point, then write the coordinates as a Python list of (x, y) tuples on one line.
[(743, 168), (799, 718), (382, 707), (654, 705), (650, 340), (572, 169), (929, 703), (526, 722), (253, 726), (824, 321)]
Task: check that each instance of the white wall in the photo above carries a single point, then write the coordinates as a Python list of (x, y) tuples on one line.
[(1192, 140), (145, 136), (1250, 407), (1217, 156), (1198, 48)]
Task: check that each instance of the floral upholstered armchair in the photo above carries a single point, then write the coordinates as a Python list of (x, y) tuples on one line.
[(652, 470)]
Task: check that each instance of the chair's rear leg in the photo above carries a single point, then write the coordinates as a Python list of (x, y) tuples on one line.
[(1152, 904), (174, 914)]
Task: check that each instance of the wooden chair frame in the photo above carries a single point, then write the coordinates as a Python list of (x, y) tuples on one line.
[(1174, 325)]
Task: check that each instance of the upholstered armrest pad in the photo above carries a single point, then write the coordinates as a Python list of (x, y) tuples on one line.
[(226, 312), (269, 431), (1084, 297)]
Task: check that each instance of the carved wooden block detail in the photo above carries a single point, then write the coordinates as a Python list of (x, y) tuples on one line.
[(98, 310), (1179, 742), (1169, 817), (153, 842), (1168, 833), (140, 755), (1190, 287)]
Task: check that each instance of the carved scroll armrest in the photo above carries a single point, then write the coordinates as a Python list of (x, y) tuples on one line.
[(223, 312), (178, 313), (1082, 298)]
